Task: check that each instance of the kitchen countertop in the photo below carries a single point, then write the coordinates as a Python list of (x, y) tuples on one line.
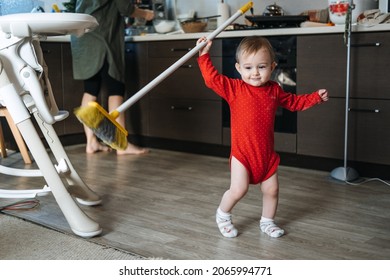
[(243, 33)]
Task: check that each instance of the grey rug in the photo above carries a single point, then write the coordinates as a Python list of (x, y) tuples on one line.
[(24, 240)]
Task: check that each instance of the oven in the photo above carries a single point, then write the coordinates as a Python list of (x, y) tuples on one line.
[(284, 74)]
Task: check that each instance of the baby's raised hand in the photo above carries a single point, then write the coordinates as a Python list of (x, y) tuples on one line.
[(206, 48), (323, 93)]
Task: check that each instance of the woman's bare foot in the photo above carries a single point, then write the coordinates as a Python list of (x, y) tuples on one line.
[(132, 150), (96, 147)]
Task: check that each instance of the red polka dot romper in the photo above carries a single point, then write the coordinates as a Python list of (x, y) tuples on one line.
[(253, 112)]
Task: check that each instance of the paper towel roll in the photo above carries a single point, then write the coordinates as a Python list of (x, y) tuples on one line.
[(223, 10)]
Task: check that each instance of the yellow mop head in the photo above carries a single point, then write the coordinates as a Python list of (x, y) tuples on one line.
[(103, 125)]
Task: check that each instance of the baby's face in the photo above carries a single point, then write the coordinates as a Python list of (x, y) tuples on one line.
[(256, 68)]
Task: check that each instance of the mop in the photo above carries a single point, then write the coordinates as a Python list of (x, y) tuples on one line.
[(104, 125)]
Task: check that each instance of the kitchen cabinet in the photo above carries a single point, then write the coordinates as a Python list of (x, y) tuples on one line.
[(137, 116), (181, 106), (67, 91), (321, 63), (52, 53), (73, 92)]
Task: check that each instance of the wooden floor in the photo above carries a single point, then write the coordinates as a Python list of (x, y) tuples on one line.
[(162, 205)]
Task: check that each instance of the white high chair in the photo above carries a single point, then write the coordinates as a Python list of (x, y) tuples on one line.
[(25, 90)]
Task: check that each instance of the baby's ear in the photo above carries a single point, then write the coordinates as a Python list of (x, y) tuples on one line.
[(238, 67), (273, 66)]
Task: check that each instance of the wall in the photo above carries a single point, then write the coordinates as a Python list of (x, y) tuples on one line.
[(203, 7), (48, 4), (291, 7), (25, 6)]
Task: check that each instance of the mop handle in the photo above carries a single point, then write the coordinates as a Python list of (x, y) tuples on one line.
[(180, 62)]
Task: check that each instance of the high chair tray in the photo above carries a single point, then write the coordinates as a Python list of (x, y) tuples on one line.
[(51, 24)]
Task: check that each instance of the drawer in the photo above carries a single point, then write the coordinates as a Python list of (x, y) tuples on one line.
[(370, 58), (185, 82), (321, 130), (179, 48), (369, 133), (321, 61), (189, 120)]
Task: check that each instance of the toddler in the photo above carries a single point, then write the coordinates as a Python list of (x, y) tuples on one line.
[(253, 101)]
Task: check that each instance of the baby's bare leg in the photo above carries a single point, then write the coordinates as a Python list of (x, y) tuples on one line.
[(238, 188), (270, 190)]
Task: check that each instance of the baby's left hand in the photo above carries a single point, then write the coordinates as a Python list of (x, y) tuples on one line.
[(323, 93)]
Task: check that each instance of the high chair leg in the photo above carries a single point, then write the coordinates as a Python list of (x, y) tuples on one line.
[(79, 222), (83, 194)]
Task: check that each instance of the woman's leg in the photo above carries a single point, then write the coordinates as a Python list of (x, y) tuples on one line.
[(113, 102), (93, 144)]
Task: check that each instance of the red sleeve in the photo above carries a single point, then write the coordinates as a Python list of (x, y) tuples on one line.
[(294, 102), (221, 84)]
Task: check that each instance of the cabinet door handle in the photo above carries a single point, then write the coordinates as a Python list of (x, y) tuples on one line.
[(181, 49), (185, 108), (377, 44), (364, 110)]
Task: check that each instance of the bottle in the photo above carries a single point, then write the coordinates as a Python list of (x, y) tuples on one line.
[(223, 10)]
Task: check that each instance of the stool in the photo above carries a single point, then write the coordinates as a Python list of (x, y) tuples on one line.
[(18, 137)]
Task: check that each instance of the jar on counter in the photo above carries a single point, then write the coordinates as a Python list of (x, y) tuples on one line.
[(338, 9)]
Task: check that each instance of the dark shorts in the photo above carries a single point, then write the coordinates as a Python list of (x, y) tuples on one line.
[(94, 84)]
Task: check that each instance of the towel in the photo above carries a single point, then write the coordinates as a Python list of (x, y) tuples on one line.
[(373, 17)]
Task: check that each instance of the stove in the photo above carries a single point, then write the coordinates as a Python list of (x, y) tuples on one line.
[(267, 22)]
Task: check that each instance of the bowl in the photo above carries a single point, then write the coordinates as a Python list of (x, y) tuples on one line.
[(164, 26), (193, 26)]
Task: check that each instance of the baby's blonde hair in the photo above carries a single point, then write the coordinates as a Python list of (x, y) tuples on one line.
[(252, 44)]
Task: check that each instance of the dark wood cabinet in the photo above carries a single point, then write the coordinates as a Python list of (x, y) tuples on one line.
[(181, 106), (137, 116), (370, 56), (67, 91), (321, 130), (73, 92), (186, 119), (321, 63), (52, 53)]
